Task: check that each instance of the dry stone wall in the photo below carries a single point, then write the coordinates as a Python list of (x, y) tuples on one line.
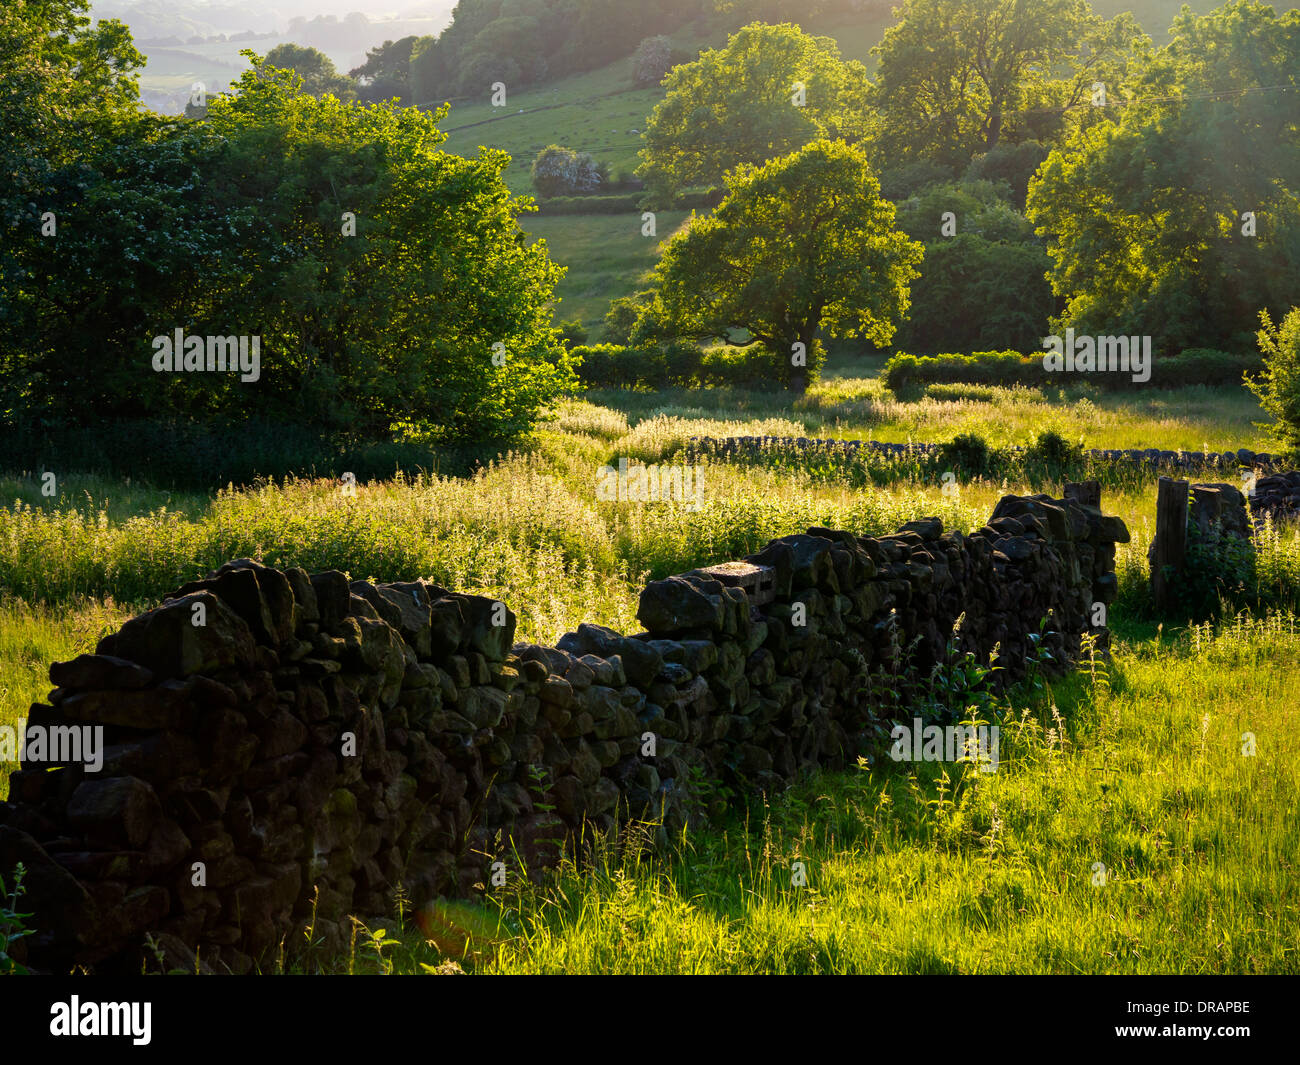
[(280, 745)]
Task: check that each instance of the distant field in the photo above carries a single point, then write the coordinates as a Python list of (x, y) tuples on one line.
[(595, 113), (606, 257)]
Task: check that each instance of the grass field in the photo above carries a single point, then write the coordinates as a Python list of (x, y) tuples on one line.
[(907, 872), (1125, 831), (605, 257)]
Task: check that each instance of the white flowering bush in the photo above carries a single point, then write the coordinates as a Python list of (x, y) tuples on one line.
[(559, 171)]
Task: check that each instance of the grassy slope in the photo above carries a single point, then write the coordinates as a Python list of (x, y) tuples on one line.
[(606, 257)]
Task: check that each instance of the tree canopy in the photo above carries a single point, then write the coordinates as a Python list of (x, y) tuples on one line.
[(387, 280), (1179, 220), (800, 244), (770, 91)]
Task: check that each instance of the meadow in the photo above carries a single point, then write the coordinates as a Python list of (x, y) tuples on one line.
[(1133, 763)]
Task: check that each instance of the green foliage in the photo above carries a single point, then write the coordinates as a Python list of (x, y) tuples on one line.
[(621, 317), (12, 926), (969, 454), (1143, 212), (672, 364), (319, 78), (234, 227), (588, 205), (573, 332), (1013, 164), (386, 72), (560, 171), (957, 77), (533, 42), (802, 244), (1008, 369), (1005, 368), (1278, 388), (1218, 575), (733, 106), (1059, 458)]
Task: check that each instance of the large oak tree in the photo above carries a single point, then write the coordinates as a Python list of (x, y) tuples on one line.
[(802, 244)]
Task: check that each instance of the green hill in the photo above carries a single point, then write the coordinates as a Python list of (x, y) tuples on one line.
[(603, 112)]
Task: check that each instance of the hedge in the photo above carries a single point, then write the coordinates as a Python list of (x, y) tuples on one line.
[(1193, 366), (590, 204), (674, 365)]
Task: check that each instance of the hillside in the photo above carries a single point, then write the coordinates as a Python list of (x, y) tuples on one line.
[(602, 112)]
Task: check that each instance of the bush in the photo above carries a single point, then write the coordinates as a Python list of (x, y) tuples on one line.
[(968, 453), (674, 364), (652, 61), (748, 367), (1013, 163), (1009, 369), (573, 332), (897, 183), (1206, 366), (1055, 455), (1278, 388), (560, 171), (1005, 368), (621, 318), (702, 200)]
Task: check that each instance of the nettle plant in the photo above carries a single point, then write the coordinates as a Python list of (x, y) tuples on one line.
[(1218, 573)]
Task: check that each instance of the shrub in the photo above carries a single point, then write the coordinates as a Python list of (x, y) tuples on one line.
[(1278, 388), (559, 171), (1206, 366), (968, 453), (1056, 455), (747, 367), (674, 364), (1006, 368), (700, 200), (621, 317), (652, 61), (1009, 369), (573, 332)]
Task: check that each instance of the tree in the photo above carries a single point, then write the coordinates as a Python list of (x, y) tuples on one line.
[(319, 78), (957, 76), (801, 244), (1179, 221), (559, 171), (770, 91), (652, 61), (386, 73), (386, 280), (976, 294)]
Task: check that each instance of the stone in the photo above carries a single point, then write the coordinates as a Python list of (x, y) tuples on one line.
[(125, 806), (674, 604), (167, 641), (101, 672)]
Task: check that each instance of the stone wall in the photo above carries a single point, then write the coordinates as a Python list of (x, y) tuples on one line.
[(1154, 458), (272, 734)]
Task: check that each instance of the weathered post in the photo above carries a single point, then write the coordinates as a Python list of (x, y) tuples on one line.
[(1169, 548)]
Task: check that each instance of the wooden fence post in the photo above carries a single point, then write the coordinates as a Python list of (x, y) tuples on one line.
[(1169, 548)]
